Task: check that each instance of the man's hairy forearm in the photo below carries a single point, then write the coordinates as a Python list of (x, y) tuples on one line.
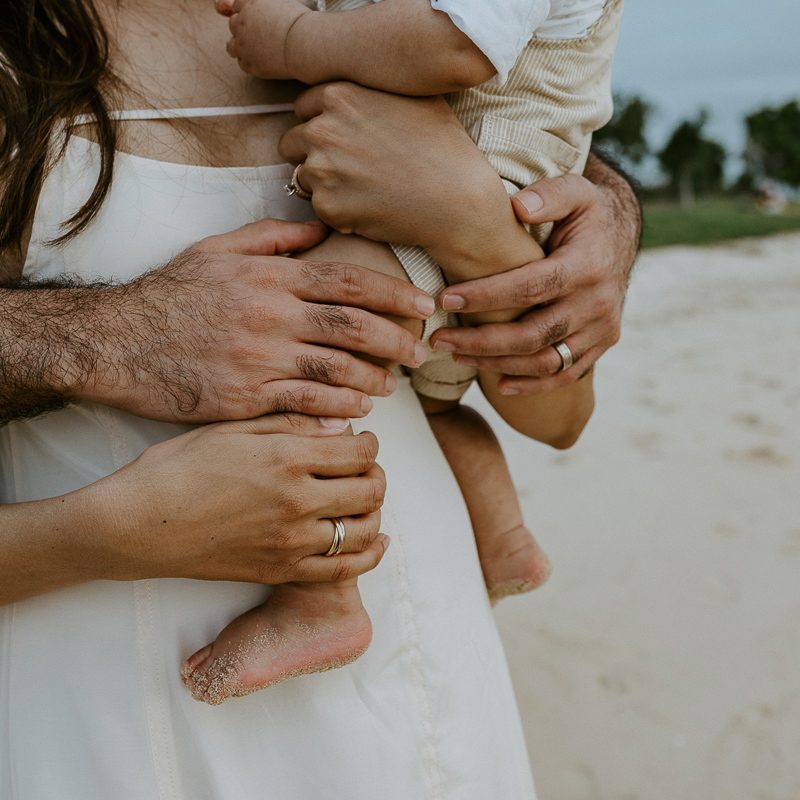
[(622, 200), (48, 344), (62, 341)]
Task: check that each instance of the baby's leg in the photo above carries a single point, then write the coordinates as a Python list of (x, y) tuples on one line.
[(511, 560), (301, 628)]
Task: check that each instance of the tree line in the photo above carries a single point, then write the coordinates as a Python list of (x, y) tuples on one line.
[(694, 164)]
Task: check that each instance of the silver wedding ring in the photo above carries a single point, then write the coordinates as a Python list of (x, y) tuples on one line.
[(339, 533), (294, 188), (567, 359)]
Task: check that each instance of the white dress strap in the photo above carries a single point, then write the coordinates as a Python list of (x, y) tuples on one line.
[(189, 113)]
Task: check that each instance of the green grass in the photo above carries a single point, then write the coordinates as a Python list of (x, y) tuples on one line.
[(712, 221)]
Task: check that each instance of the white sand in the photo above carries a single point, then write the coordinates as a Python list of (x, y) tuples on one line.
[(662, 661)]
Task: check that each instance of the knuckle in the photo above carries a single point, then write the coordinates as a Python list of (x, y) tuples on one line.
[(372, 526), (290, 507), (374, 556), (572, 184), (245, 351), (366, 451), (342, 570), (376, 494), (336, 94), (315, 368), (301, 400), (331, 319), (353, 280), (328, 209), (371, 442), (321, 133), (251, 316)]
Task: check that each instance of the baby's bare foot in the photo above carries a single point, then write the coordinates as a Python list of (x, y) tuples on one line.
[(301, 628), (512, 562)]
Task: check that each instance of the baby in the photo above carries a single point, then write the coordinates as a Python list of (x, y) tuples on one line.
[(530, 82)]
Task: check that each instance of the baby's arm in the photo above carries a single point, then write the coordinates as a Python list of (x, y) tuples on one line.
[(400, 46)]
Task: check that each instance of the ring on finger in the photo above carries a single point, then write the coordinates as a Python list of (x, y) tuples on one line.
[(339, 534), (567, 359), (294, 188)]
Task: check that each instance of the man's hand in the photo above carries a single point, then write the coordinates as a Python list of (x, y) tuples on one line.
[(575, 295), (225, 330)]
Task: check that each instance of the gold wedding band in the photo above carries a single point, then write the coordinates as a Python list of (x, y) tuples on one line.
[(339, 533), (567, 359), (294, 188)]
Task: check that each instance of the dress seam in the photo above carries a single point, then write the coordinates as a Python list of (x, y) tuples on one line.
[(154, 698), (432, 774)]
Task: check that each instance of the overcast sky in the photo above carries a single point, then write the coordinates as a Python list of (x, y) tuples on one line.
[(731, 56)]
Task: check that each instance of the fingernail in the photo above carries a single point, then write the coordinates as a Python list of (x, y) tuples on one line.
[(334, 423), (507, 390), (385, 541), (531, 201), (391, 383), (468, 361), (420, 354), (425, 304), (453, 302), (366, 404), (444, 347)]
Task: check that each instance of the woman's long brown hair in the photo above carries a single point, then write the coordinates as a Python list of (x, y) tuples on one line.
[(53, 66)]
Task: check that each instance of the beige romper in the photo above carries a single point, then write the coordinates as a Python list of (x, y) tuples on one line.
[(538, 124)]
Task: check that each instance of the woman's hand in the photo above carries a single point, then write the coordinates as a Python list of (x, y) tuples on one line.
[(575, 295), (393, 168), (243, 501)]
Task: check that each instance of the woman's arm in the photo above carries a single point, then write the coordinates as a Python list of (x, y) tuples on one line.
[(239, 501)]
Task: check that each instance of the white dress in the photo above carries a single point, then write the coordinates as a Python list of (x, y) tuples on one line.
[(91, 703)]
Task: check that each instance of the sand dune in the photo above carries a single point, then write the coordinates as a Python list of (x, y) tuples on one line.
[(662, 661)]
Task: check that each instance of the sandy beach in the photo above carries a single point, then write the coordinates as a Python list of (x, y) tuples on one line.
[(662, 660)]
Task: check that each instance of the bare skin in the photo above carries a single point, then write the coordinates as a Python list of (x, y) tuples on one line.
[(300, 629), (167, 514), (304, 628), (136, 57)]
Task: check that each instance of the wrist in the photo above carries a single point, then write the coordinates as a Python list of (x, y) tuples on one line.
[(71, 528), (49, 346), (112, 546), (304, 47), (95, 368)]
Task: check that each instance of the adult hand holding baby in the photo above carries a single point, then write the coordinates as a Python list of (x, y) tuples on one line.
[(574, 296)]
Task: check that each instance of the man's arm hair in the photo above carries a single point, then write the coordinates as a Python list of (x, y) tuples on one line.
[(63, 340), (47, 343), (623, 198)]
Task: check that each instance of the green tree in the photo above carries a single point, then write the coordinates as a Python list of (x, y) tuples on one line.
[(773, 143), (693, 163), (625, 135)]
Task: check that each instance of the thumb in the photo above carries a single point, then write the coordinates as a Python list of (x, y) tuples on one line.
[(553, 199), (267, 237)]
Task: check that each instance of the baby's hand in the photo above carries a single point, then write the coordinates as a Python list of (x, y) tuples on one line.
[(260, 32)]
